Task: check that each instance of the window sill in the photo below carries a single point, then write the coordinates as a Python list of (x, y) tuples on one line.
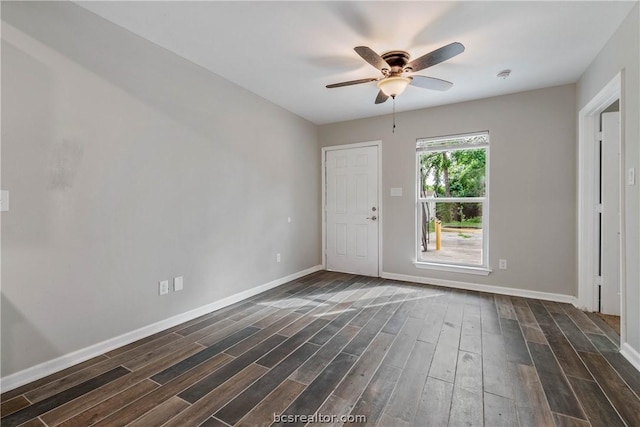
[(478, 271)]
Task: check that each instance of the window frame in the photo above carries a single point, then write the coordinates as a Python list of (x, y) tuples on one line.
[(484, 268)]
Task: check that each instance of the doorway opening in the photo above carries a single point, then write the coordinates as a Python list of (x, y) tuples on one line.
[(601, 246), (609, 211)]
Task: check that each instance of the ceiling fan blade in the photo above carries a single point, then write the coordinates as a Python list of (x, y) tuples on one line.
[(372, 58), (352, 82), (382, 97), (435, 57), (430, 83)]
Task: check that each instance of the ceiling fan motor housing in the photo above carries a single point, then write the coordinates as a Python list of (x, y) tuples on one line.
[(396, 59)]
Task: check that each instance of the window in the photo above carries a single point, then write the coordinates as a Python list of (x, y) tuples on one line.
[(452, 202)]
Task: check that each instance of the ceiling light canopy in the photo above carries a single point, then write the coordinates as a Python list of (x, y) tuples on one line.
[(393, 86)]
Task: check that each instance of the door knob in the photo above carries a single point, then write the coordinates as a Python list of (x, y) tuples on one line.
[(372, 217)]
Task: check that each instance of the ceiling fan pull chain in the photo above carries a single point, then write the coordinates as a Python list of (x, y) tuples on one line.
[(393, 130)]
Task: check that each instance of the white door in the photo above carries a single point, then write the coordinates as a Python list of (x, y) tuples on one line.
[(610, 225), (352, 210)]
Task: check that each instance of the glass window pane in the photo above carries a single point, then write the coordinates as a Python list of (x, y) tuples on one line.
[(460, 234), (456, 173)]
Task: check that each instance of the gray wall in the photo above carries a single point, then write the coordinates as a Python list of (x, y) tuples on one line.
[(127, 165), (532, 183), (622, 52)]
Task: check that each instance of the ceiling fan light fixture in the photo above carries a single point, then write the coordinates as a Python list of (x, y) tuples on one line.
[(394, 86)]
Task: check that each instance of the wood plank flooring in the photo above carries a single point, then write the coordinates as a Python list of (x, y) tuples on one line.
[(393, 353)]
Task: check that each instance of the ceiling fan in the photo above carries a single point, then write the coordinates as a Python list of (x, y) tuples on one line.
[(395, 64)]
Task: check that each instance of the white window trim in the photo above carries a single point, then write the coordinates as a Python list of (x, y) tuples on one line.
[(483, 269), (453, 268)]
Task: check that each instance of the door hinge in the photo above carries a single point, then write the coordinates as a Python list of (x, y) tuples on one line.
[(598, 281), (599, 208)]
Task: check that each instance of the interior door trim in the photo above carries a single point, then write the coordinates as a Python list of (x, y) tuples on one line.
[(380, 215), (588, 120)]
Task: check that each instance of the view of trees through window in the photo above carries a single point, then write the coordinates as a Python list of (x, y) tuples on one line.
[(452, 194)]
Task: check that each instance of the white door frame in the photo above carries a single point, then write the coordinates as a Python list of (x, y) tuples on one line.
[(588, 128), (380, 213)]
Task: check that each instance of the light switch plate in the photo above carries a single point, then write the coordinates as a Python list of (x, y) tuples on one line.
[(4, 201), (178, 283), (396, 192)]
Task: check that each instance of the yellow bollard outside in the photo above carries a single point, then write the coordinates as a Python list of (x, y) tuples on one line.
[(438, 235)]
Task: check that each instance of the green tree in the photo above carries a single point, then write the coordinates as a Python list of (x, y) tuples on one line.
[(467, 173), (457, 173)]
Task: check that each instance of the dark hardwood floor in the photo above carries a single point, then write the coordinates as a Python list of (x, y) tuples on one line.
[(396, 353)]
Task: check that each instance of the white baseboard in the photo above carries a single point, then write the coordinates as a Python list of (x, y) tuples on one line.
[(631, 355), (47, 368), (547, 296)]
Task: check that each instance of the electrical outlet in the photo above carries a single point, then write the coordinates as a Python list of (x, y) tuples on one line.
[(178, 283), (503, 264), (277, 257), (163, 287)]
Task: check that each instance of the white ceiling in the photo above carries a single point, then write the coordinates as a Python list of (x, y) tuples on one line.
[(287, 52)]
